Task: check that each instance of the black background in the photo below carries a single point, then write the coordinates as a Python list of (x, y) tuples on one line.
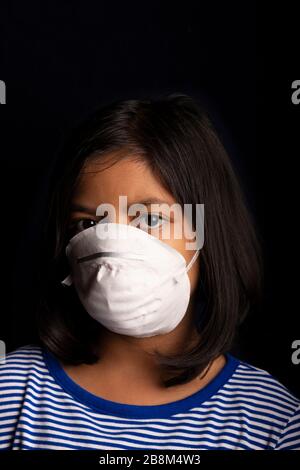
[(60, 61)]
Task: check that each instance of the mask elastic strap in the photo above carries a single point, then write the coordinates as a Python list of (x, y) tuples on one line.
[(67, 281), (195, 256)]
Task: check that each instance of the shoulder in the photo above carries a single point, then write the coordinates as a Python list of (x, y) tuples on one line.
[(22, 359), (20, 369), (267, 402), (18, 366), (261, 380)]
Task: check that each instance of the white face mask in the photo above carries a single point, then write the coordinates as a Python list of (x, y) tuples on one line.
[(128, 280)]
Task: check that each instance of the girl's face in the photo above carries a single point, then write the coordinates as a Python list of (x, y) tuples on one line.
[(101, 183)]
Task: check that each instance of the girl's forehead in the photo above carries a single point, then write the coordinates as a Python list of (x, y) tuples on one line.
[(132, 177)]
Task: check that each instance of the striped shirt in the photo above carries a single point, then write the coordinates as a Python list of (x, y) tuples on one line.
[(243, 407)]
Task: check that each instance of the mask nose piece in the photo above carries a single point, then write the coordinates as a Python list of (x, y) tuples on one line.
[(195, 256)]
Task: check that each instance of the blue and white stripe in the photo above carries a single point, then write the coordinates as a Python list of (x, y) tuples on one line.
[(242, 408)]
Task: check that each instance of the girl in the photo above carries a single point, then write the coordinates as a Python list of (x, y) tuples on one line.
[(135, 342)]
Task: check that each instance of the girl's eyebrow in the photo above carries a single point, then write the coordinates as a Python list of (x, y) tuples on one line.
[(151, 200), (88, 210), (79, 208)]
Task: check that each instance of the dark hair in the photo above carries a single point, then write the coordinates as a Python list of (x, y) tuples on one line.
[(178, 141)]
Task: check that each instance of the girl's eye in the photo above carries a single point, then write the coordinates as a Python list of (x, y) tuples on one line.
[(144, 222), (80, 225), (152, 221)]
